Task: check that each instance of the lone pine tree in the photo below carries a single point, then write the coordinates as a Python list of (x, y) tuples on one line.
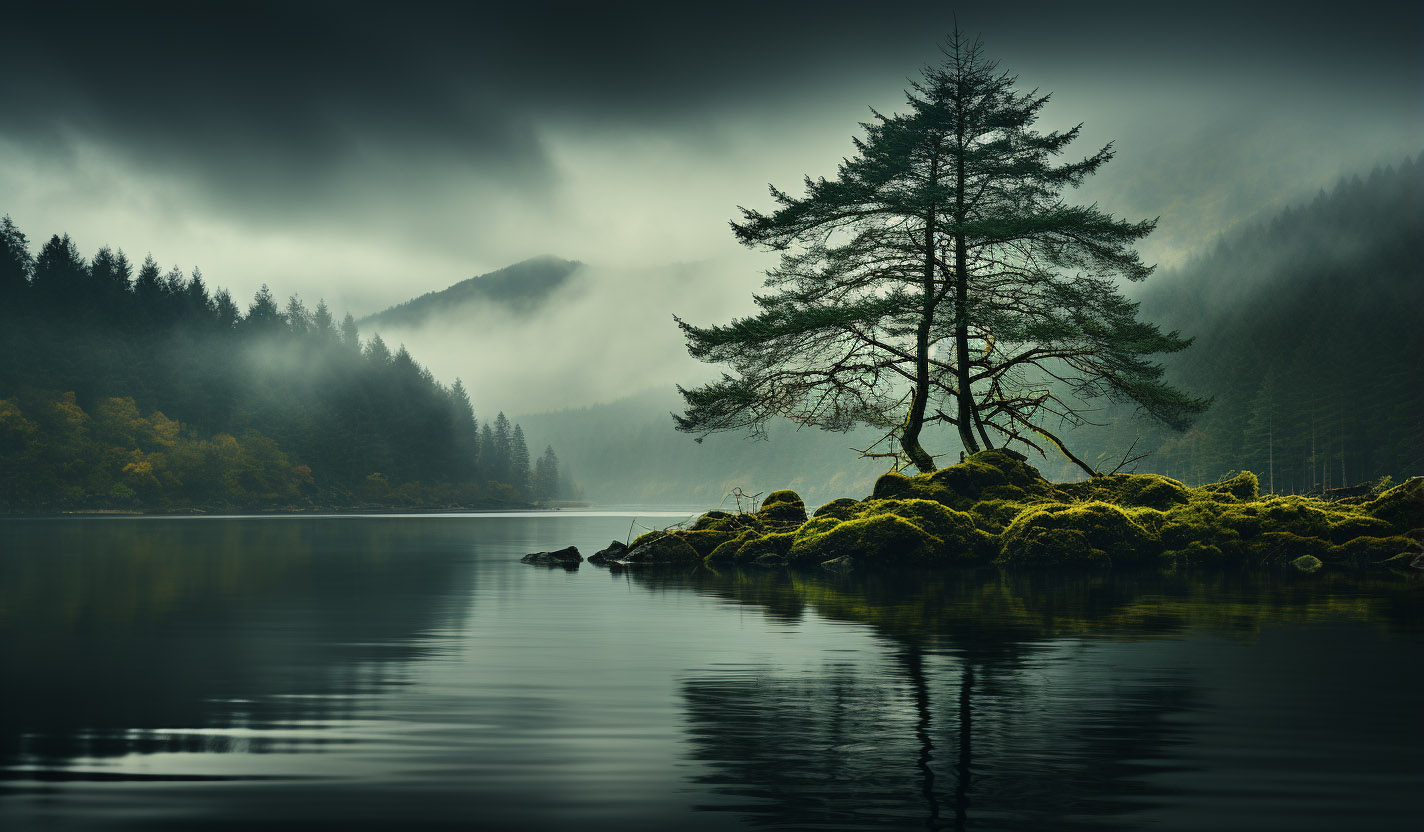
[(941, 277)]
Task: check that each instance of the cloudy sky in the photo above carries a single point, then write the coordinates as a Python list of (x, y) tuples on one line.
[(367, 153)]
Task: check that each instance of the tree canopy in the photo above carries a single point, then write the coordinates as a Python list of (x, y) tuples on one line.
[(941, 277)]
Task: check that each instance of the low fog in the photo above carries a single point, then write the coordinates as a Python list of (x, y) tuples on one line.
[(607, 333)]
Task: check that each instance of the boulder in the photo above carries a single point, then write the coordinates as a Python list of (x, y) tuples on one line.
[(669, 548), (563, 557), (615, 552)]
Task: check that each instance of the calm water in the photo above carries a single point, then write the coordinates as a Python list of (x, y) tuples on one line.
[(379, 672)]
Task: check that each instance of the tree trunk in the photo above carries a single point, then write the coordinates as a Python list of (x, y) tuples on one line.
[(915, 420), (961, 307)]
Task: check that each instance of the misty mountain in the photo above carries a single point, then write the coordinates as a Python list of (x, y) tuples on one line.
[(520, 288)]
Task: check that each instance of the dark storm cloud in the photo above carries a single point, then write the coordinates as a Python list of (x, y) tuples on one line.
[(389, 149), (293, 95)]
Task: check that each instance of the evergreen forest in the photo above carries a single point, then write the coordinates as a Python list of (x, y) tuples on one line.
[(141, 388), (1307, 339)]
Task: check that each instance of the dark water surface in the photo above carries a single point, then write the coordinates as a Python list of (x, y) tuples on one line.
[(405, 672)]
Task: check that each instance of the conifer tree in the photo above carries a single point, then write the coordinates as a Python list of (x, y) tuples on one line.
[(519, 461), (350, 334), (148, 284), (299, 320), (488, 463), (467, 431), (377, 352), (941, 277), (263, 316), (323, 324), (16, 263), (60, 272), (501, 469), (546, 476)]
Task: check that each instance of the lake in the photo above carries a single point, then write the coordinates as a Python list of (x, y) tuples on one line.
[(381, 672)]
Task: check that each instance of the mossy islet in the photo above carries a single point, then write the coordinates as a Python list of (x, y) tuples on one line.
[(996, 509)]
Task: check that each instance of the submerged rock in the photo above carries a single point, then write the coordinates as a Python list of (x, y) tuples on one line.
[(564, 557), (615, 552)]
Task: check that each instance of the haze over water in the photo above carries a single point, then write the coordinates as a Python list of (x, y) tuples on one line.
[(390, 671)]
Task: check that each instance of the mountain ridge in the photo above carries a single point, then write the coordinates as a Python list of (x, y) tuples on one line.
[(520, 287)]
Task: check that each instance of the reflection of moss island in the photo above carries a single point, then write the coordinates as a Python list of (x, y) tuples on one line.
[(995, 508)]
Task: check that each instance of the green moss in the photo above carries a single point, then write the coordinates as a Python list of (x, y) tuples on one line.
[(841, 508), (648, 537), (1135, 490), (670, 548), (1307, 563), (727, 551), (1402, 506), (993, 475), (1196, 553), (712, 519), (1284, 547), (785, 496), (879, 538), (757, 548), (1348, 527), (993, 516), (1243, 486), (1078, 534), (704, 541), (1365, 551), (993, 506)]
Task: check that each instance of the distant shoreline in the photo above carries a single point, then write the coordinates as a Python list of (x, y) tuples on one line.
[(285, 512)]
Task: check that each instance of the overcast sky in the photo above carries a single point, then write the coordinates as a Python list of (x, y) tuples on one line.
[(367, 153)]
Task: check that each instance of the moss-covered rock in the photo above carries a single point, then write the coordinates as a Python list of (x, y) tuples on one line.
[(993, 516), (705, 541), (995, 507), (1366, 551), (1402, 506), (669, 548), (994, 475), (1275, 548), (783, 497), (1136, 490), (1243, 486), (782, 508), (1307, 564), (1085, 534), (841, 508), (713, 519), (879, 538)]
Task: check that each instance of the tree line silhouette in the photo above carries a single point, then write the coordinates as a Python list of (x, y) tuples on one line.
[(274, 406)]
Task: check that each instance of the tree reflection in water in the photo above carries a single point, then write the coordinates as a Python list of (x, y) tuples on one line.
[(979, 711)]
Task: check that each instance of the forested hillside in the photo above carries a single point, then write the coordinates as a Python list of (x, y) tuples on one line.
[(1309, 334), (518, 288), (274, 406)]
